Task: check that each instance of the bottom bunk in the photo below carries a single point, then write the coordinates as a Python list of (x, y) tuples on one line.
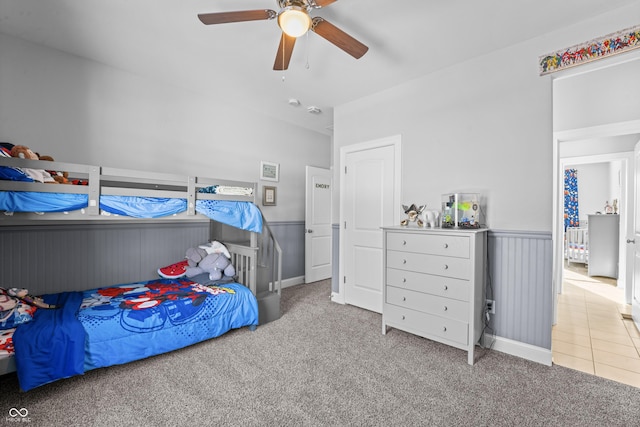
[(119, 324)]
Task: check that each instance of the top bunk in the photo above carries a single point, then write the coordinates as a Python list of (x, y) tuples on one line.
[(98, 194)]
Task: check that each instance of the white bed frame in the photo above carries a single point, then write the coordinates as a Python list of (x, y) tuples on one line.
[(577, 245)]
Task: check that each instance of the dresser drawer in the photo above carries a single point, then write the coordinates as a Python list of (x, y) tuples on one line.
[(435, 285), (426, 324), (440, 306), (428, 243), (459, 268)]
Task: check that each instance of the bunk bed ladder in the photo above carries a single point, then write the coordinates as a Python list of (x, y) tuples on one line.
[(269, 277)]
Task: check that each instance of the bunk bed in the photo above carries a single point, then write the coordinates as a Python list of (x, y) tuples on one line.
[(109, 325)]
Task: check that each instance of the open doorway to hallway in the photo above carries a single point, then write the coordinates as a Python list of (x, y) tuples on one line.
[(593, 333), (590, 333)]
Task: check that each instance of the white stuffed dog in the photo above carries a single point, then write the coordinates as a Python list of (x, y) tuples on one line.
[(430, 218)]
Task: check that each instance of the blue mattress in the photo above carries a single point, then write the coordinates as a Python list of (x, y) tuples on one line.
[(243, 215), (119, 324)]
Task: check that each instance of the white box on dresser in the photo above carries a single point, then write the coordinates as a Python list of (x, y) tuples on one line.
[(434, 284)]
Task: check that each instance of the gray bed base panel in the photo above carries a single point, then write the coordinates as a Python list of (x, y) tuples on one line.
[(7, 365)]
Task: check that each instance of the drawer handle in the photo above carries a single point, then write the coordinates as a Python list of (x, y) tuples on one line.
[(446, 288), (446, 267), (404, 243), (404, 261), (403, 317), (445, 308), (404, 280), (444, 329), (404, 298), (446, 245)]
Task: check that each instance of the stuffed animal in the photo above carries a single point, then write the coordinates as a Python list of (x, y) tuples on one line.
[(194, 256), (430, 218), (215, 247), (413, 215), (215, 264), (23, 152), (23, 295), (40, 175), (59, 177)]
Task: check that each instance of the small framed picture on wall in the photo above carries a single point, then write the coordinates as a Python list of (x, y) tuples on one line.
[(268, 196), (269, 171)]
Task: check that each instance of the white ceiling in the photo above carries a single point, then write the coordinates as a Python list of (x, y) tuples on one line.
[(164, 40)]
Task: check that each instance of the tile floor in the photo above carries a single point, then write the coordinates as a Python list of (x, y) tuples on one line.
[(591, 334)]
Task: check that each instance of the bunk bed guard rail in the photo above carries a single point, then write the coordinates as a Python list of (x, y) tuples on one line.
[(124, 182)]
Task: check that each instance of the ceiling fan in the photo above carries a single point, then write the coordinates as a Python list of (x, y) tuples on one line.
[(294, 20)]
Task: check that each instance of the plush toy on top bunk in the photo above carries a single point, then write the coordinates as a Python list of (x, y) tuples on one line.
[(40, 175), (59, 177), (212, 259)]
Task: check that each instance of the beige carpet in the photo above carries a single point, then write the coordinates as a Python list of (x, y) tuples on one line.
[(326, 364)]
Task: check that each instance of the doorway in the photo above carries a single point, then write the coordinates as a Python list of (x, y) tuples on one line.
[(317, 225), (590, 332), (602, 180), (370, 187)]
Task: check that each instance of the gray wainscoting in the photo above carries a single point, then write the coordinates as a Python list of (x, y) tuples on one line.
[(290, 236), (52, 258), (49, 258), (520, 265), (520, 282)]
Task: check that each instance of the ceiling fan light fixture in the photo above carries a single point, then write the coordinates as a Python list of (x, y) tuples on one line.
[(294, 21)]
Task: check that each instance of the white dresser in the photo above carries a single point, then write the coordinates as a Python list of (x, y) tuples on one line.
[(434, 284)]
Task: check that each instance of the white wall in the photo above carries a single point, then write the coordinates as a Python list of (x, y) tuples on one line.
[(485, 125), (574, 106), (81, 111), (595, 186)]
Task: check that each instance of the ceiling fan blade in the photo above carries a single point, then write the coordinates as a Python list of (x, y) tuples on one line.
[(284, 52), (323, 3), (241, 16), (338, 37)]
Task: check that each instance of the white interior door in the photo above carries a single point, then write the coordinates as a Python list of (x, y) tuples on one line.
[(369, 200), (317, 239), (635, 283)]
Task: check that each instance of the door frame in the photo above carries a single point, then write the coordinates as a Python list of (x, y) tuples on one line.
[(609, 130), (396, 142), (625, 209)]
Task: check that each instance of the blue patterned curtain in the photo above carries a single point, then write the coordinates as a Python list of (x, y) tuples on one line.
[(571, 198)]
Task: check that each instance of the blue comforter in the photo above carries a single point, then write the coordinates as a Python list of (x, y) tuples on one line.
[(114, 325), (243, 215), (52, 345)]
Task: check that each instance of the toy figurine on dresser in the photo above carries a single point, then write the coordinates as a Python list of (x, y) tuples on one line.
[(413, 215)]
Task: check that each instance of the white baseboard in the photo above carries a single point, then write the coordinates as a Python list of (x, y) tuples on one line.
[(519, 349), (292, 281)]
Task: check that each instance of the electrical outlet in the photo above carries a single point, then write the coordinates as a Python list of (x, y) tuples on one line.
[(491, 306)]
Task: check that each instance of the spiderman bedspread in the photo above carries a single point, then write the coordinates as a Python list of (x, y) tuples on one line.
[(129, 322)]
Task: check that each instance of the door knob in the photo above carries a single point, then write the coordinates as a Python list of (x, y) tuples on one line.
[(631, 240), (308, 230)]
